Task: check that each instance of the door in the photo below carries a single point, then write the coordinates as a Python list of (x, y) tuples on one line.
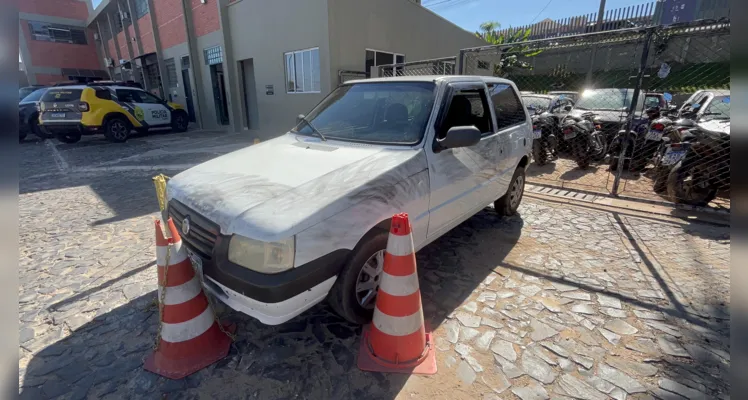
[(219, 94), (250, 95), (188, 94), (146, 107), (462, 180), (513, 132)]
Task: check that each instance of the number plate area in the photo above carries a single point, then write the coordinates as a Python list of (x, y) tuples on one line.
[(672, 156), (537, 133), (654, 135)]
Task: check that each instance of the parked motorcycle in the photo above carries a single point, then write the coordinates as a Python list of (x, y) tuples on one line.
[(586, 141), (704, 164), (675, 137), (638, 152), (545, 141)]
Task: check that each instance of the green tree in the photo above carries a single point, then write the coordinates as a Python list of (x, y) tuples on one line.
[(511, 52)]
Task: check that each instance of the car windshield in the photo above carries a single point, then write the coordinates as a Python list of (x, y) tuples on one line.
[(25, 91), (607, 99), (36, 95), (535, 102), (379, 112), (718, 108)]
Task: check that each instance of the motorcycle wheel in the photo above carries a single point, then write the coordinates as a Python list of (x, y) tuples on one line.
[(680, 188), (602, 148), (582, 158), (659, 183), (538, 153)]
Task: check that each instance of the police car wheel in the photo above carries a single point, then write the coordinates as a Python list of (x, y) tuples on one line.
[(68, 137), (117, 130)]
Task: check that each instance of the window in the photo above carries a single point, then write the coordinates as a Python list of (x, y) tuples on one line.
[(47, 32), (117, 23), (483, 64), (508, 108), (128, 96), (141, 8), (376, 58), (185, 61), (62, 95), (171, 73), (148, 98), (302, 71), (213, 55), (468, 108)]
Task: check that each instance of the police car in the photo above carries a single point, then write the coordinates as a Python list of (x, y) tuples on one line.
[(68, 112)]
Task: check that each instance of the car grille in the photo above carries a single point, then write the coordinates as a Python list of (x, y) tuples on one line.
[(203, 233)]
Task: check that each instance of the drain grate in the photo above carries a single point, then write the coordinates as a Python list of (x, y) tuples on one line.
[(565, 193)]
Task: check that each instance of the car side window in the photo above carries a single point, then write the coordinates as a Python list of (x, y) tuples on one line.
[(468, 108), (127, 96), (508, 108), (148, 98), (104, 94)]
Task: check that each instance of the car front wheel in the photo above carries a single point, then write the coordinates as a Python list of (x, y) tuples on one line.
[(509, 203), (354, 294)]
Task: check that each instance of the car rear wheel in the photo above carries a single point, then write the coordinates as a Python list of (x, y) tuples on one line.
[(179, 121), (68, 137), (509, 203), (117, 129), (354, 294)]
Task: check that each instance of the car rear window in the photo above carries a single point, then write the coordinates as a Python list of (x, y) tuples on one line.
[(62, 95)]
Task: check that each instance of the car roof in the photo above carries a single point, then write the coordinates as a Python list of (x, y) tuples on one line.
[(96, 86), (432, 78)]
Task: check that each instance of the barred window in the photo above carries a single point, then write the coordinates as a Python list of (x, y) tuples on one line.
[(141, 8), (171, 73), (508, 108), (47, 32)]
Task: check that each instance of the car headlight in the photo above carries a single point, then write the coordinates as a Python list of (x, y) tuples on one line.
[(265, 257)]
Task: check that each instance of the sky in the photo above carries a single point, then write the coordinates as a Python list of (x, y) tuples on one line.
[(469, 14)]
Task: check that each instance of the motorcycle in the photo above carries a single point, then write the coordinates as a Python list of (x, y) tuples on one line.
[(586, 140), (545, 142), (675, 136), (703, 165), (638, 151)]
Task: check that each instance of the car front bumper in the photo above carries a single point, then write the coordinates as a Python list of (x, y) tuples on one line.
[(271, 298)]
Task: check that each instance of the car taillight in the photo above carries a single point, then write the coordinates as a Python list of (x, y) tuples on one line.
[(675, 146), (599, 127), (567, 130), (658, 127), (683, 129), (83, 107), (534, 127)]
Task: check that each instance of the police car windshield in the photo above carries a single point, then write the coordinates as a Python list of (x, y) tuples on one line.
[(62, 94)]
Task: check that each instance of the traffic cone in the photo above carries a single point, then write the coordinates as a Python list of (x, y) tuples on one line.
[(189, 336), (396, 340)]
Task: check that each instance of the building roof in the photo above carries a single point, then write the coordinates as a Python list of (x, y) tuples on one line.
[(432, 78)]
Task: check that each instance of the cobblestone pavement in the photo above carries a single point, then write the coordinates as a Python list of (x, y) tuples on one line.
[(557, 302)]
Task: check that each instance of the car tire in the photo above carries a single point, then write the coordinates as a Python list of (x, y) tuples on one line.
[(508, 204), (179, 122), (343, 296), (68, 137), (539, 153), (117, 129)]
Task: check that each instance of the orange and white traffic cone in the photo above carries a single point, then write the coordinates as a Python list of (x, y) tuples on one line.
[(396, 340), (189, 337)]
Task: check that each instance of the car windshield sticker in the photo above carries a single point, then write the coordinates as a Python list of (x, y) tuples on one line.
[(139, 113), (664, 71)]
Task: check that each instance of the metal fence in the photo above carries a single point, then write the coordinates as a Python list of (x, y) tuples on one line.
[(436, 66), (641, 112)]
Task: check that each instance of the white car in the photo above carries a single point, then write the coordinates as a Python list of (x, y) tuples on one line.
[(279, 226)]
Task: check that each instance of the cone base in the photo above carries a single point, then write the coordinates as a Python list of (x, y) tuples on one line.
[(367, 361), (178, 368)]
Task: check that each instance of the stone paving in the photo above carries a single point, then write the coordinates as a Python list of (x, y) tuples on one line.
[(557, 302)]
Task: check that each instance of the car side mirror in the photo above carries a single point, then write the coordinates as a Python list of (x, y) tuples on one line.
[(460, 136), (299, 118)]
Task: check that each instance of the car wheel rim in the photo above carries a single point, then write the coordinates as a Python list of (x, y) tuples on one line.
[(119, 131), (516, 193), (368, 280), (181, 122)]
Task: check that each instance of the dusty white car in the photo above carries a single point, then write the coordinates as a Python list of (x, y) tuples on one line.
[(279, 226)]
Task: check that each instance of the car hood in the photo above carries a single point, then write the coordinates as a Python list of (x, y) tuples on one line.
[(716, 126), (276, 189)]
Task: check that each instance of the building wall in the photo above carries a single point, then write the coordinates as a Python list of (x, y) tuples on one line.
[(170, 22), (396, 26), (123, 51), (72, 9), (146, 34), (208, 107), (205, 17), (60, 55), (264, 37)]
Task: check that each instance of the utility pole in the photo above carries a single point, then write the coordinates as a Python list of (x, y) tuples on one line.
[(593, 52)]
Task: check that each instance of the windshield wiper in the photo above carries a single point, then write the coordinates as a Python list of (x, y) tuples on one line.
[(321, 136)]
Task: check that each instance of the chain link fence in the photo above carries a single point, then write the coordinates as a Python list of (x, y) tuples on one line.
[(641, 112), (436, 66)]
